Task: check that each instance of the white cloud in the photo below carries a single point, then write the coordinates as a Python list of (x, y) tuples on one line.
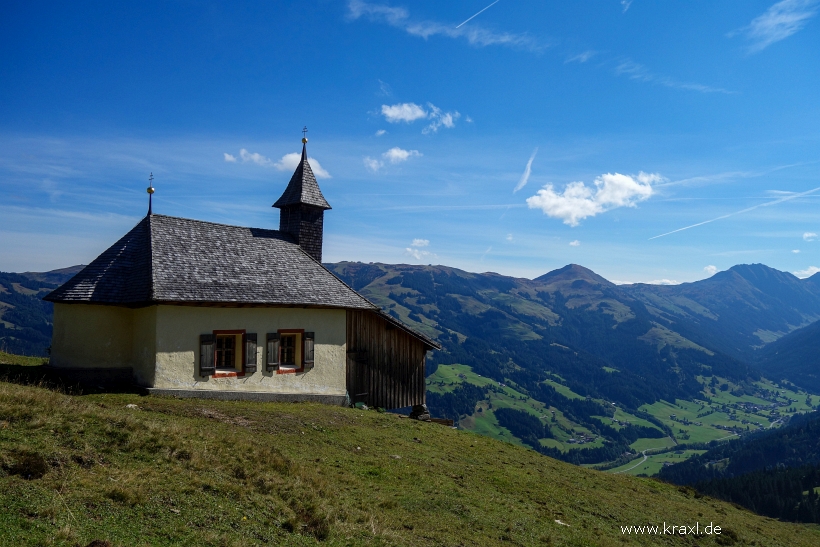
[(638, 72), (809, 236), (468, 119), (581, 57), (626, 4), (403, 112), (420, 243), (509, 237), (418, 254), (711, 270), (663, 282), (527, 170), (475, 35), (229, 158), (372, 164), (653, 282), (578, 201), (258, 159), (575, 243), (778, 23), (394, 155), (398, 155), (381, 132), (796, 251), (808, 272), (290, 161), (410, 112), (384, 89), (440, 118)]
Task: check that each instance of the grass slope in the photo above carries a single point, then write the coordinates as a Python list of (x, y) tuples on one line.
[(190, 472), (21, 360)]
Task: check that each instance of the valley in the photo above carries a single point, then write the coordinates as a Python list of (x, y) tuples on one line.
[(715, 417)]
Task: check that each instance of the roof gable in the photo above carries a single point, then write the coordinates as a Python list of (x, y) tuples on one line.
[(121, 274)]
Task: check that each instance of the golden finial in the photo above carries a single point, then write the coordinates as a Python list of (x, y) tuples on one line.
[(304, 135), (150, 191)]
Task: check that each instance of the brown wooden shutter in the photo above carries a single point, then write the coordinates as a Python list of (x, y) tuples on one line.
[(250, 352), (308, 359), (206, 355), (272, 359)]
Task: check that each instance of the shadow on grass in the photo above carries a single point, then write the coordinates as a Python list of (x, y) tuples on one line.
[(71, 382)]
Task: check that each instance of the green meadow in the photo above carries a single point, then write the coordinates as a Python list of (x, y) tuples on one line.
[(138, 470)]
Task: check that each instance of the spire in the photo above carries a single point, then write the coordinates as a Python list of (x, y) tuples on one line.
[(302, 188), (150, 191)]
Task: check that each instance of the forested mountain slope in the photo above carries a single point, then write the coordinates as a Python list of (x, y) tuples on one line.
[(775, 473), (571, 322), (25, 320), (736, 311), (796, 356)]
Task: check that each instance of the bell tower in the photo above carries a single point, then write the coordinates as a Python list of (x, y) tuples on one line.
[(302, 207)]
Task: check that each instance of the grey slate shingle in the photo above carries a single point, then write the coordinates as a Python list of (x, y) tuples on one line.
[(176, 260), (182, 261), (302, 188)]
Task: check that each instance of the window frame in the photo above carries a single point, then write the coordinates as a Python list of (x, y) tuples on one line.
[(234, 372), (301, 346)]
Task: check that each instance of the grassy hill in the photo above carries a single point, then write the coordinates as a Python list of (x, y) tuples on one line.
[(187, 472)]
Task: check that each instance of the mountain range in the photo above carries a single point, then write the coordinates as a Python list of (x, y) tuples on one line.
[(658, 338)]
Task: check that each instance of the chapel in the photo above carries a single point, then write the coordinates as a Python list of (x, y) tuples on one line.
[(200, 309)]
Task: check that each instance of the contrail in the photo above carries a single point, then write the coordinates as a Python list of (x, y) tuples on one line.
[(480, 12), (526, 176), (775, 202)]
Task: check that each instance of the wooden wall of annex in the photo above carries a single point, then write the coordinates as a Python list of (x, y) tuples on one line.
[(385, 364)]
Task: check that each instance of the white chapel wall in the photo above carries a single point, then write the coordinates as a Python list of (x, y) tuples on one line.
[(91, 336), (177, 348)]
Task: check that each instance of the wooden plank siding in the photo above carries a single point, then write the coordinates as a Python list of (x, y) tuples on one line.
[(385, 364)]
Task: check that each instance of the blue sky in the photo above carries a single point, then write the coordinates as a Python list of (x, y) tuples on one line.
[(533, 135)]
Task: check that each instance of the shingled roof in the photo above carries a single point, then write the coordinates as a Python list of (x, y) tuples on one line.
[(302, 188), (175, 260)]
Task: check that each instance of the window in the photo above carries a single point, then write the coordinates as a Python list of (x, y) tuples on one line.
[(287, 348), (290, 351), (227, 353), (225, 357)]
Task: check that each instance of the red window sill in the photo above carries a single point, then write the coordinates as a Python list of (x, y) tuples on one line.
[(228, 374), (289, 370)]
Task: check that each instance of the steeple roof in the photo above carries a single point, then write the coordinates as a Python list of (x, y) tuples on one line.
[(302, 188)]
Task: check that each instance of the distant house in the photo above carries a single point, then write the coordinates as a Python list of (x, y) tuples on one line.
[(199, 309)]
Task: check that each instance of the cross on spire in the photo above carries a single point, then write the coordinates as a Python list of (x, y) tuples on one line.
[(304, 134)]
